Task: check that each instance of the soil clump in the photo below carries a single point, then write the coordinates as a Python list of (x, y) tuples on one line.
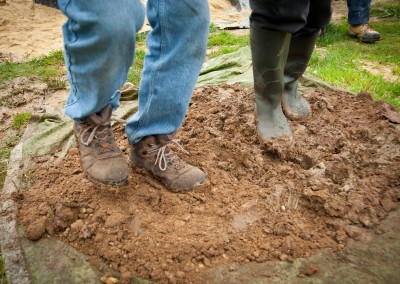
[(341, 175)]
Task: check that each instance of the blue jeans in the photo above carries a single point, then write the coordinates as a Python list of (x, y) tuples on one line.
[(358, 11), (99, 47)]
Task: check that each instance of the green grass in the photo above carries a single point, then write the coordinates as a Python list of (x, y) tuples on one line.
[(341, 60), (135, 72), (21, 120), (385, 10), (141, 40), (223, 42), (49, 69), (3, 279), (6, 146)]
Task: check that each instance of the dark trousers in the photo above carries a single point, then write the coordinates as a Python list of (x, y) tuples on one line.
[(298, 17)]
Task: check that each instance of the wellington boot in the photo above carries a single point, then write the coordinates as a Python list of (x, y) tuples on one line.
[(155, 155), (269, 51), (300, 51)]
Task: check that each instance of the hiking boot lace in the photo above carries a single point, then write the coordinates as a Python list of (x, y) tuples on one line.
[(101, 132), (165, 155), (367, 28)]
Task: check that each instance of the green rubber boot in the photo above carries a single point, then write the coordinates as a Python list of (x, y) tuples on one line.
[(269, 51), (294, 105)]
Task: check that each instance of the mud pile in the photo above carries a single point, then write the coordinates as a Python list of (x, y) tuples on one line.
[(341, 174)]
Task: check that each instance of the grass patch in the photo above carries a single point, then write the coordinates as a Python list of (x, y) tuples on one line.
[(223, 42), (135, 72), (21, 120), (339, 60), (3, 279), (141, 40), (49, 69), (6, 146), (385, 10)]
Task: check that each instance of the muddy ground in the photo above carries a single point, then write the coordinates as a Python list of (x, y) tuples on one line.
[(341, 175)]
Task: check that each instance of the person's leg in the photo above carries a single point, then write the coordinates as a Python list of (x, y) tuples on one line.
[(358, 18), (358, 11), (177, 47), (99, 43), (302, 44), (269, 53), (271, 25), (287, 16)]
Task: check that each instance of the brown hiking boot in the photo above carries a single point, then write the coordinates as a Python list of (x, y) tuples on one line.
[(101, 158), (154, 154), (364, 32)]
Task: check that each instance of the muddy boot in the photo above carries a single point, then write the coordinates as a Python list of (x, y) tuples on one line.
[(300, 51), (269, 51), (154, 154), (101, 158)]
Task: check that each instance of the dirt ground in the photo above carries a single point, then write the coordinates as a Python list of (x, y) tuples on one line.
[(28, 30), (341, 174)]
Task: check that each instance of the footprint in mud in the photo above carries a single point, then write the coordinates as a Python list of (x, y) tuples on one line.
[(241, 221)]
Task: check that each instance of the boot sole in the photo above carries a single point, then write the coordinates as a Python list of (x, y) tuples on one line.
[(197, 185), (100, 184), (367, 40)]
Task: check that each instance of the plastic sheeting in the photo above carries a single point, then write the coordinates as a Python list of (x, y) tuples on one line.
[(234, 67)]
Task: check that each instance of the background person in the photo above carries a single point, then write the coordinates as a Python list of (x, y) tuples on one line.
[(358, 18), (282, 37)]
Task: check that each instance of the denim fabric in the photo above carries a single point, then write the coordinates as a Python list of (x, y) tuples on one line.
[(358, 11), (177, 48), (99, 46)]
